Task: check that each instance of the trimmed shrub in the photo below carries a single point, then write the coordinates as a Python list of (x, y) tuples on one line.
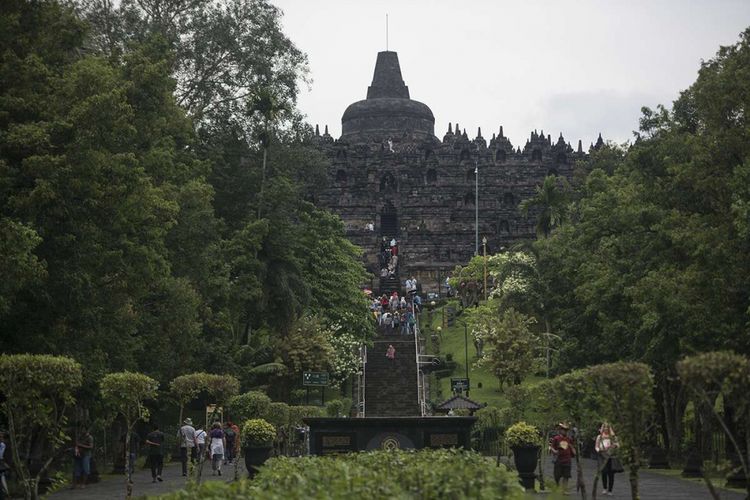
[(253, 404), (297, 413), (522, 434), (425, 474), (257, 432), (278, 414)]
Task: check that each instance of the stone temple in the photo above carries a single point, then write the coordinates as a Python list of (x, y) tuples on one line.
[(389, 169)]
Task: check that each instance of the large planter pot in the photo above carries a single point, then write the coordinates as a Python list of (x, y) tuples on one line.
[(255, 456), (658, 458), (693, 465), (525, 458)]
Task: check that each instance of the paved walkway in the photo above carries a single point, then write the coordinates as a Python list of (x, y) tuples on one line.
[(114, 487), (652, 486)]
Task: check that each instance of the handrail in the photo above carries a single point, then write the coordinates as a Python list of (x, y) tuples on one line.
[(421, 389), (361, 399)]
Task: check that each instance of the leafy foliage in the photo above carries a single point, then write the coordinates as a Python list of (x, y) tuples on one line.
[(219, 387), (723, 374), (125, 393), (37, 390), (250, 405), (257, 432), (451, 474), (521, 435), (508, 344)]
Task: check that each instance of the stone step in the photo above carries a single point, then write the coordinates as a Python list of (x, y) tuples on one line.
[(391, 385)]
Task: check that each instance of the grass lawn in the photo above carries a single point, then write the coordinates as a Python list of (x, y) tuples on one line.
[(453, 343), (718, 479)]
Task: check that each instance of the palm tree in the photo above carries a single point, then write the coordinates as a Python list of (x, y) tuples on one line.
[(270, 107), (552, 200)]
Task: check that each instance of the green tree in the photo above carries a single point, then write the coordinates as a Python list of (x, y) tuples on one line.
[(125, 394), (551, 202), (219, 388), (711, 375), (626, 397), (508, 346), (37, 390), (20, 268)]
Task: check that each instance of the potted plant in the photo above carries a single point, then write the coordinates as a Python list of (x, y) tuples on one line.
[(524, 440), (257, 442)]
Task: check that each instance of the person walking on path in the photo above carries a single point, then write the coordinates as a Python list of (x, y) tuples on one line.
[(230, 437), (562, 447), (155, 444), (391, 352), (217, 444), (4, 467), (606, 445), (82, 458), (186, 435), (200, 442)]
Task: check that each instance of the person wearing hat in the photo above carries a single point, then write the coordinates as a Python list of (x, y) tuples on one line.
[(186, 435), (563, 449)]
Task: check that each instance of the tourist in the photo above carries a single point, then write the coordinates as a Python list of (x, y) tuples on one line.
[(82, 458), (408, 286), (384, 302), (217, 445), (155, 443), (230, 437), (411, 322), (391, 352), (135, 443), (393, 242), (562, 447), (402, 303), (4, 467), (387, 319), (606, 445), (236, 448), (186, 435), (417, 301), (396, 321), (200, 442), (394, 302), (383, 244), (408, 317)]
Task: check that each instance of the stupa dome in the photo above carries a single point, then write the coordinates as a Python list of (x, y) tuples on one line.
[(387, 112)]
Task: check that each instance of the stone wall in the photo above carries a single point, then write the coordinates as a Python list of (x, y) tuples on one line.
[(430, 186)]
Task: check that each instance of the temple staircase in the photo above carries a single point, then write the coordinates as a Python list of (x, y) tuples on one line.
[(391, 385)]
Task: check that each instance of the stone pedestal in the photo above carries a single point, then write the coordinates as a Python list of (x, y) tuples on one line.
[(344, 435)]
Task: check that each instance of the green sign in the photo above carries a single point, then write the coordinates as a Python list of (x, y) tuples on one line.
[(459, 384), (315, 378)]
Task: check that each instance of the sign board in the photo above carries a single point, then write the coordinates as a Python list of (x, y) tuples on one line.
[(459, 384), (214, 414), (315, 378)]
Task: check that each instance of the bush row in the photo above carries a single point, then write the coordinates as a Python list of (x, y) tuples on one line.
[(424, 474)]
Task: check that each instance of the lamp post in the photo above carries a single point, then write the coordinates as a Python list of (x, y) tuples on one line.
[(466, 356), (484, 248), (476, 206)]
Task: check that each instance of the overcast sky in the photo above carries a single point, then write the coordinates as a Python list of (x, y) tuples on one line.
[(579, 67)]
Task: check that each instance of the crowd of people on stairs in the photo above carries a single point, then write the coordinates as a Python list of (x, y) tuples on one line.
[(388, 257)]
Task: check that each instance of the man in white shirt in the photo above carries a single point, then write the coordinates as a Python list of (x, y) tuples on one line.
[(186, 435)]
